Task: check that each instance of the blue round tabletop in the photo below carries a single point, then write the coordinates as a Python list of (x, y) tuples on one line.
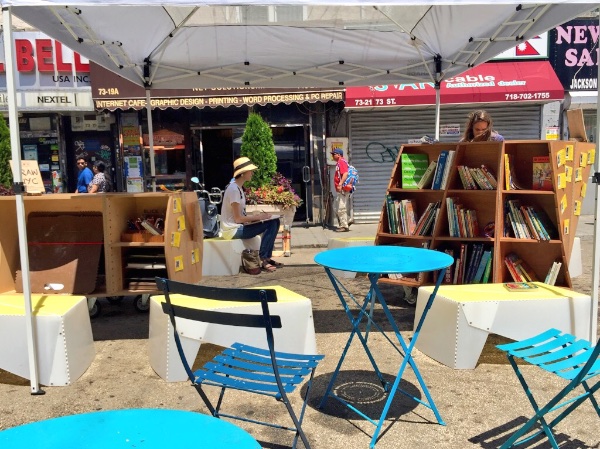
[(384, 259), (129, 428)]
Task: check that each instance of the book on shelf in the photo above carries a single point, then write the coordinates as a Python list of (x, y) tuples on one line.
[(410, 216), (413, 166), (483, 263), (510, 179), (519, 270), (488, 268), (439, 170), (546, 223), (447, 167), (474, 260), (542, 173), (391, 213), (426, 223), (553, 273), (448, 275), (427, 177), (490, 176)]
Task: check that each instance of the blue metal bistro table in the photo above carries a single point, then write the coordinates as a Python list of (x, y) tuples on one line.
[(129, 428), (375, 261)]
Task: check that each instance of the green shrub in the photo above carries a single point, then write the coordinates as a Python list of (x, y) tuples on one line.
[(258, 146), (6, 179)]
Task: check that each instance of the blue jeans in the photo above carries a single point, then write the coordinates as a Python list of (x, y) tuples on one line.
[(268, 229)]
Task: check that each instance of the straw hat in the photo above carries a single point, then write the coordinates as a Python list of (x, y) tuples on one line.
[(242, 165)]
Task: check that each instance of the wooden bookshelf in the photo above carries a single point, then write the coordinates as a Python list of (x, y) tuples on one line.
[(559, 205), (182, 217)]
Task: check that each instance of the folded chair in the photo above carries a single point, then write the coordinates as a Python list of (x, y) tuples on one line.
[(243, 367), (576, 361)]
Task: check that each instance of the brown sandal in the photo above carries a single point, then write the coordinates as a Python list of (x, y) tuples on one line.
[(274, 263), (266, 266)]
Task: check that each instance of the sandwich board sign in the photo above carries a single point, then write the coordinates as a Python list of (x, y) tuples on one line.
[(32, 178)]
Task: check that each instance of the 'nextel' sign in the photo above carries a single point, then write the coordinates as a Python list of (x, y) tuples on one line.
[(53, 99)]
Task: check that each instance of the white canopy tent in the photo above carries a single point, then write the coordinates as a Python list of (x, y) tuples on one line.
[(288, 43)]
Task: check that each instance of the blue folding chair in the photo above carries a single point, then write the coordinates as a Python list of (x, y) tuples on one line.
[(243, 367), (565, 356)]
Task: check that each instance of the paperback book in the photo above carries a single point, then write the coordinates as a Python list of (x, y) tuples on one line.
[(542, 173), (414, 166)]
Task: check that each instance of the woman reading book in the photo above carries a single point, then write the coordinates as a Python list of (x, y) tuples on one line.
[(480, 128), (235, 224)]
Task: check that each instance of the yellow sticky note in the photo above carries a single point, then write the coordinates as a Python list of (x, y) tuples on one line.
[(577, 207), (563, 204), (561, 180), (181, 223), (569, 153), (178, 263), (568, 173), (583, 190), (176, 205), (583, 158), (578, 174), (175, 239), (566, 224), (591, 156), (54, 158), (560, 157), (195, 256)]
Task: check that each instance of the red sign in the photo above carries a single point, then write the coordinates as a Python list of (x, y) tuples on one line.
[(46, 56), (487, 83)]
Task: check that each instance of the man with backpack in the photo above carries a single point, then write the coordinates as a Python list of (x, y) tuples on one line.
[(344, 186)]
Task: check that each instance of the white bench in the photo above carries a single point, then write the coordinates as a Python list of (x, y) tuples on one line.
[(462, 316), (297, 334), (344, 242), (65, 346), (222, 257)]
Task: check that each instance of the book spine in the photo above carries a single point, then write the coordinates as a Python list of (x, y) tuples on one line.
[(439, 173), (488, 268), (481, 267), (427, 176), (447, 168), (507, 172), (488, 174)]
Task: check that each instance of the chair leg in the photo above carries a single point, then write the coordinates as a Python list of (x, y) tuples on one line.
[(538, 416)]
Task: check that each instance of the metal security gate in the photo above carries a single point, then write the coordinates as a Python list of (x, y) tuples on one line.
[(376, 137)]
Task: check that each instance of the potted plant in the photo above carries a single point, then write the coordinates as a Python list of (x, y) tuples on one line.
[(268, 190)]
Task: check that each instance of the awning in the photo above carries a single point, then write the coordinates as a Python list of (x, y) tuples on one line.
[(111, 92), (487, 83)]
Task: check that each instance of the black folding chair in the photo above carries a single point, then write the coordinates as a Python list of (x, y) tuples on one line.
[(243, 367), (565, 356)]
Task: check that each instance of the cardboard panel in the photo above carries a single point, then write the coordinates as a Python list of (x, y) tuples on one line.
[(64, 248)]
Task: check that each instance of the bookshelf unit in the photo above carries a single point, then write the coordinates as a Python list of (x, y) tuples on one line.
[(561, 205), (182, 262)]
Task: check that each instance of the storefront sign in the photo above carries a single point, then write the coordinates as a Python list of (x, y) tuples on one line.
[(50, 100), (42, 62), (574, 54), (112, 92), (487, 83)]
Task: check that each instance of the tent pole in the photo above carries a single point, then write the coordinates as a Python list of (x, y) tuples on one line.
[(19, 200), (437, 111), (596, 253), (151, 140)]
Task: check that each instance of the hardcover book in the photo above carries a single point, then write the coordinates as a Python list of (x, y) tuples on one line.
[(414, 166)]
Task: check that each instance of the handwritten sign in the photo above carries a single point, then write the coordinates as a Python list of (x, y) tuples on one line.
[(32, 178)]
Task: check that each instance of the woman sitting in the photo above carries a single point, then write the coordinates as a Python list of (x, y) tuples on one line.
[(235, 224)]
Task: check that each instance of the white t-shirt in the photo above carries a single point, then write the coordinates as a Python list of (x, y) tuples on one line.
[(233, 194)]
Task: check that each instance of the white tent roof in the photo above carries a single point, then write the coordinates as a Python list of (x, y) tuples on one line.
[(187, 44)]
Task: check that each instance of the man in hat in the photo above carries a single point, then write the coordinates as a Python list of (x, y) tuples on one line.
[(235, 224), (341, 200)]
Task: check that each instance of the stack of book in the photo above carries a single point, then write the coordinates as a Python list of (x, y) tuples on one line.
[(402, 217), (476, 178), (473, 265), (427, 222), (527, 223), (461, 222), (518, 269)]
